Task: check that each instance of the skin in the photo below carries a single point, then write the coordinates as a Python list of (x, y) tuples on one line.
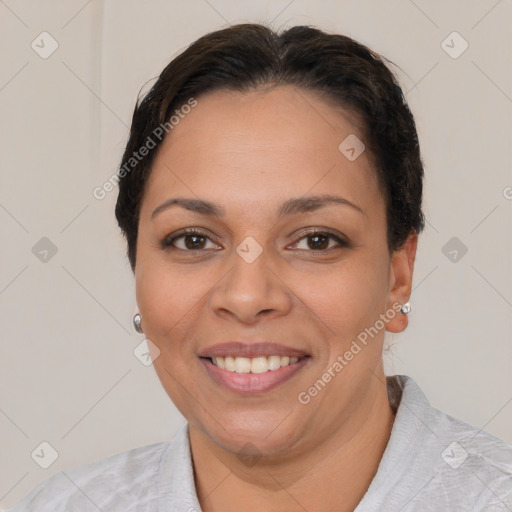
[(249, 153)]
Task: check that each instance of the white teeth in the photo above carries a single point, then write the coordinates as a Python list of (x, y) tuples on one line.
[(274, 362), (229, 363), (242, 365), (253, 365), (259, 365)]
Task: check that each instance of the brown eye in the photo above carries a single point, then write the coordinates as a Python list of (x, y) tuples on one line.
[(190, 240), (320, 241), (194, 241)]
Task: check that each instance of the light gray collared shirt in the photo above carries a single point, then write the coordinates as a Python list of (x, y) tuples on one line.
[(432, 462)]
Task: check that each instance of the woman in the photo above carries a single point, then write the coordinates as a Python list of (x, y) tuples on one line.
[(270, 195)]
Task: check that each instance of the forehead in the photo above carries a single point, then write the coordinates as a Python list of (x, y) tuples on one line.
[(261, 146), (268, 118)]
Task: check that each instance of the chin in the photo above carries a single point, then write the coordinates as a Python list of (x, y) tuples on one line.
[(264, 433)]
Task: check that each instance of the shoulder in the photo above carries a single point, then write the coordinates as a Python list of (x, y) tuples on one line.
[(124, 481), (473, 458), (467, 464), (467, 445)]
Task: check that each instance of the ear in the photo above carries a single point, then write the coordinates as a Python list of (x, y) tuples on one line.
[(400, 281)]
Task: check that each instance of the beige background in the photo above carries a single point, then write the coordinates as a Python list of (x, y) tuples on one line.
[(68, 374)]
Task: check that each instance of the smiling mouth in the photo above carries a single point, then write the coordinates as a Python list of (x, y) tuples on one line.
[(253, 375), (259, 364)]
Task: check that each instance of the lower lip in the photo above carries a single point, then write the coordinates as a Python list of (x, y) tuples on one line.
[(250, 383)]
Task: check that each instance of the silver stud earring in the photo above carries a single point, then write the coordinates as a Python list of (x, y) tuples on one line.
[(137, 319), (405, 308)]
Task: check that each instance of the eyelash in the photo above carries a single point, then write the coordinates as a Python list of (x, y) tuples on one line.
[(167, 243)]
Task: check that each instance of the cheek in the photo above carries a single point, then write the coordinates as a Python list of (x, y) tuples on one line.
[(170, 298), (352, 305), (351, 297), (160, 296), (167, 298)]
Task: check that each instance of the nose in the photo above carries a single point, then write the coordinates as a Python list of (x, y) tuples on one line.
[(251, 291)]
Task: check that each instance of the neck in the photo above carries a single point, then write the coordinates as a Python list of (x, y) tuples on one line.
[(333, 474)]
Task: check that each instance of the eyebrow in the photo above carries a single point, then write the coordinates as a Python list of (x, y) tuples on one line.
[(289, 207)]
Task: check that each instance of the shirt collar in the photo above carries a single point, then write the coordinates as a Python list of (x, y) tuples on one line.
[(176, 484), (410, 424)]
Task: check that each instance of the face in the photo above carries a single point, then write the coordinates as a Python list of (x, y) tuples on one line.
[(273, 285)]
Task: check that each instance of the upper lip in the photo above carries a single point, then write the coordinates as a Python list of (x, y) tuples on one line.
[(256, 349)]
